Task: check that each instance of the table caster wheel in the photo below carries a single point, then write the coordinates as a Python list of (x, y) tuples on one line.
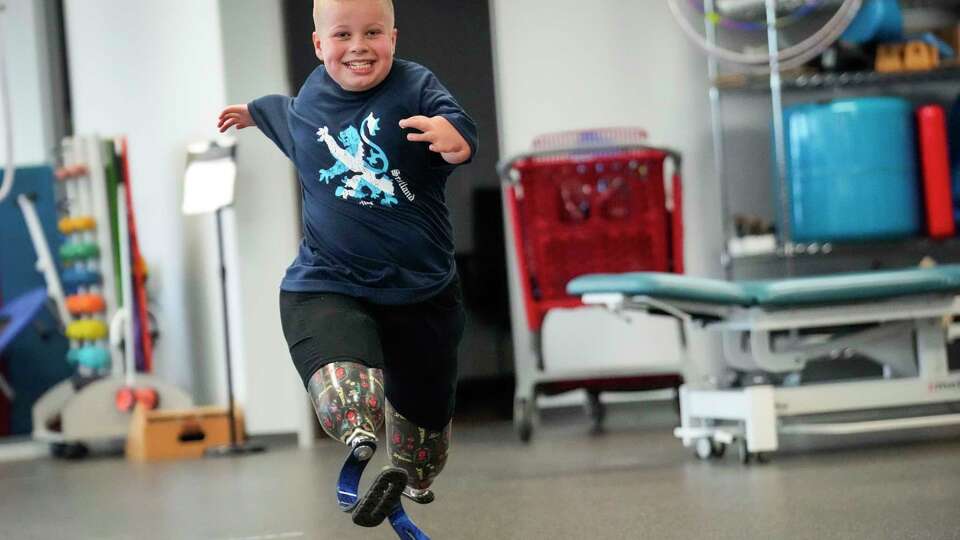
[(523, 418)]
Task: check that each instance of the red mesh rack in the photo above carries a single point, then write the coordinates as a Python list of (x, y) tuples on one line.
[(591, 210)]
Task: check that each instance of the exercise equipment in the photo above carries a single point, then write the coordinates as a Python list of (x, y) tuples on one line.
[(877, 20), (169, 434), (770, 330), (138, 269), (76, 279), (15, 316), (34, 361), (86, 304), (851, 169), (807, 29), (101, 311), (87, 330), (126, 398), (91, 357), (741, 20), (935, 163), (70, 225)]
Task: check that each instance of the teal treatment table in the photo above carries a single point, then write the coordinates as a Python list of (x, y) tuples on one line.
[(768, 332)]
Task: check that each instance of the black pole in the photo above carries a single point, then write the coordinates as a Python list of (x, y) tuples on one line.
[(233, 447), (226, 326)]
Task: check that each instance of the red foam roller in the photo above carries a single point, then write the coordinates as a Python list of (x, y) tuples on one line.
[(935, 161)]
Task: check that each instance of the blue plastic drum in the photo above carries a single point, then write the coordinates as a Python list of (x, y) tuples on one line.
[(852, 170)]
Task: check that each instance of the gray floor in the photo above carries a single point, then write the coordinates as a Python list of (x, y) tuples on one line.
[(635, 481)]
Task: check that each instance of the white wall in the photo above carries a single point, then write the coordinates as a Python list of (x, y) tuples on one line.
[(152, 71), (568, 64), (160, 72), (23, 30), (267, 217)]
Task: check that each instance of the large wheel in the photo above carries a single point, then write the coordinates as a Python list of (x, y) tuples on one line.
[(523, 418)]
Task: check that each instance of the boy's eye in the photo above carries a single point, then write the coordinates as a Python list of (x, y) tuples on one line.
[(341, 35), (374, 33)]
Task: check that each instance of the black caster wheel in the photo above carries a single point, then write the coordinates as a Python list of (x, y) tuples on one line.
[(742, 453), (523, 419), (597, 412), (69, 451), (747, 457)]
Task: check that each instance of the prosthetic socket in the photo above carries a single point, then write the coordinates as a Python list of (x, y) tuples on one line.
[(348, 399)]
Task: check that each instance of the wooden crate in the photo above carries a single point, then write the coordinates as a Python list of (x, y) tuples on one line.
[(179, 434)]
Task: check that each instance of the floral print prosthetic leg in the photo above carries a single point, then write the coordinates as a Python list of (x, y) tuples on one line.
[(419, 451), (348, 399)]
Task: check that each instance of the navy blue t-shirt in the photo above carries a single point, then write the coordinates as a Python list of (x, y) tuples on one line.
[(375, 223)]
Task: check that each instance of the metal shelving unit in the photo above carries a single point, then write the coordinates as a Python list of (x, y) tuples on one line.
[(827, 81), (776, 84)]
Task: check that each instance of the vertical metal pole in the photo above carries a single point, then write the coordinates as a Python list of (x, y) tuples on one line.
[(125, 302), (233, 448), (779, 148), (716, 130), (226, 328)]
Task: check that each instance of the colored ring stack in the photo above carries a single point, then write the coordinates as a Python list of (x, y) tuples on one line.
[(87, 330), (71, 172), (91, 357), (70, 225), (86, 304), (81, 277), (75, 279), (79, 251)]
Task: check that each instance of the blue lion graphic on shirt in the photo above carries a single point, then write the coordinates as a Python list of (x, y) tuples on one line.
[(366, 181)]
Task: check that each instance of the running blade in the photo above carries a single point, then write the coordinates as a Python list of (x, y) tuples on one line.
[(404, 526), (348, 485)]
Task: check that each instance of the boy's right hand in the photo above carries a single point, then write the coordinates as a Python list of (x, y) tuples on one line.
[(235, 116)]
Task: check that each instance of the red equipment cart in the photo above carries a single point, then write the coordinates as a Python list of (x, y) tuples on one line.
[(586, 202)]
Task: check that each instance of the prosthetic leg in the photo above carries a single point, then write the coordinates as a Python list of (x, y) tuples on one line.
[(348, 399), (421, 453)]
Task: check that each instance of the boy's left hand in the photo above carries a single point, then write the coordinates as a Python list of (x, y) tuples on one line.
[(444, 139)]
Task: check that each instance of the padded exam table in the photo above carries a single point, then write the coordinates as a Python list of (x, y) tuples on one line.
[(896, 318)]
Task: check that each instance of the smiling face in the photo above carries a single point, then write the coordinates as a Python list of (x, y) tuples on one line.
[(356, 40)]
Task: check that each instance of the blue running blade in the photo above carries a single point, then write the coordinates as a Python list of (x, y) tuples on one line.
[(348, 486), (404, 526)]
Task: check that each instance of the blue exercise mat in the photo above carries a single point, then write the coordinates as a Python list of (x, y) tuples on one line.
[(34, 361)]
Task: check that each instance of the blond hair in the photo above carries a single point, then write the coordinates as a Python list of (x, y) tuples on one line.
[(318, 5)]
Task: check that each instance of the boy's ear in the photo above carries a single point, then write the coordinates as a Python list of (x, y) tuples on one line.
[(317, 49), (395, 32)]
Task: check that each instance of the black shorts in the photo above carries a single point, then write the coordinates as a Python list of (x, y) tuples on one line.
[(415, 345)]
